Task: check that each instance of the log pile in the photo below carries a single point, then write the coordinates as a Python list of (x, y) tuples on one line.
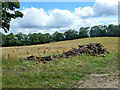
[(94, 49), (40, 59)]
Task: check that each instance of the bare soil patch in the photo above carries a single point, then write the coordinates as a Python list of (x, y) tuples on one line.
[(100, 81)]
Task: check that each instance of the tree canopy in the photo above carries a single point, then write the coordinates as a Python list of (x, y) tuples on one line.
[(21, 39), (71, 34), (8, 12)]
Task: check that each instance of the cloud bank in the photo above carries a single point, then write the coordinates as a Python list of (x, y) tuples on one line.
[(38, 20)]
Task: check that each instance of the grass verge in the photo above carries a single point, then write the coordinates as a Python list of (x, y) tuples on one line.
[(63, 73)]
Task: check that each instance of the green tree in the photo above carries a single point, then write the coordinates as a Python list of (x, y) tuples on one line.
[(71, 34), (119, 30), (58, 36), (113, 30), (103, 30), (83, 32), (22, 39), (95, 31), (7, 7), (2, 39), (110, 30), (10, 40), (40, 38), (33, 38), (46, 38)]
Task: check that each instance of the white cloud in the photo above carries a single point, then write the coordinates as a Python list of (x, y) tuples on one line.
[(115, 23), (106, 7), (84, 12), (100, 8), (38, 20), (60, 18), (33, 17)]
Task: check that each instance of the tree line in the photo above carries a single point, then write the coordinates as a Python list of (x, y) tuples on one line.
[(21, 39)]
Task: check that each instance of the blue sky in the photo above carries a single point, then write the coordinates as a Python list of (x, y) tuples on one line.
[(48, 17), (52, 5)]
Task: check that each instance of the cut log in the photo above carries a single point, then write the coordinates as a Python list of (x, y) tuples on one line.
[(94, 49)]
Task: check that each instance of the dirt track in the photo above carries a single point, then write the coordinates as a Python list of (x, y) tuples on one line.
[(100, 81)]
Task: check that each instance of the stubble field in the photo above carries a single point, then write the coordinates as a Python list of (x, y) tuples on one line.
[(61, 73)]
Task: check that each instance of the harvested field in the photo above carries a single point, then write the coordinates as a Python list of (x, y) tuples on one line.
[(57, 48), (75, 72)]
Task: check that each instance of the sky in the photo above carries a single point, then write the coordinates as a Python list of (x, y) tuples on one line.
[(48, 17)]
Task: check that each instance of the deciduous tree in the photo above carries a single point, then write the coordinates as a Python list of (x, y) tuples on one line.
[(8, 12)]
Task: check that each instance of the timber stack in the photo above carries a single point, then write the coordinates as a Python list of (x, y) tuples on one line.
[(94, 49)]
